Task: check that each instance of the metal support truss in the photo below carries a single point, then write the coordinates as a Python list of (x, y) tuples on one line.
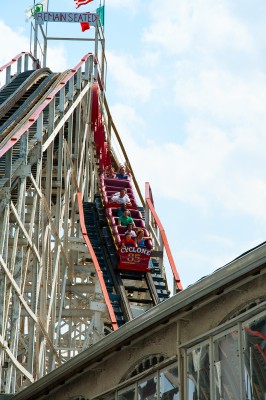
[(51, 303)]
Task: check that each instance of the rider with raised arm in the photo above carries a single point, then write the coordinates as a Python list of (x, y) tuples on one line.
[(121, 197)]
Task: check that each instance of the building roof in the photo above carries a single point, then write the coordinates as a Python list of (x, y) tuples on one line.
[(247, 265)]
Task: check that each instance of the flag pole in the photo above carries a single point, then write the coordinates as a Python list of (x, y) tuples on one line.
[(46, 30), (103, 12)]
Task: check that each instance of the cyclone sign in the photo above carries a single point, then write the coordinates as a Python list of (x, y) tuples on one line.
[(136, 258)]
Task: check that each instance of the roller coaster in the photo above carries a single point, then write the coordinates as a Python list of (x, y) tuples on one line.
[(66, 282)]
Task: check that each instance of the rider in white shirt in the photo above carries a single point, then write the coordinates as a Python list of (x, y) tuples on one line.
[(121, 197)]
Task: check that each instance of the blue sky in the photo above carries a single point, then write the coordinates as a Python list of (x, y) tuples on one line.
[(187, 89)]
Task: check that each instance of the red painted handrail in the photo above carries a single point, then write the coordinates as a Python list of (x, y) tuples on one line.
[(14, 59), (149, 202), (96, 264), (13, 140)]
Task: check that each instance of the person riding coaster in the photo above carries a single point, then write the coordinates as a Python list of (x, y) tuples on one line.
[(131, 257)]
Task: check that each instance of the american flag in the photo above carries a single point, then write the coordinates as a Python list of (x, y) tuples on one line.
[(81, 2)]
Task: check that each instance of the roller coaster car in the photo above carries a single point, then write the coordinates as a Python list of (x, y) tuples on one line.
[(130, 258)]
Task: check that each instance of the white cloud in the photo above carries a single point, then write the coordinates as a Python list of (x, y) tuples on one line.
[(11, 43), (57, 58), (224, 130), (129, 124), (128, 4), (207, 169), (220, 93), (220, 240), (196, 263), (195, 24), (130, 83), (17, 43)]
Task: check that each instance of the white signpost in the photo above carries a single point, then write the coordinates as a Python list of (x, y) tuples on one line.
[(42, 17)]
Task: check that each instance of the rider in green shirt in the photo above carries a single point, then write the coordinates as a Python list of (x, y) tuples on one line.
[(125, 219)]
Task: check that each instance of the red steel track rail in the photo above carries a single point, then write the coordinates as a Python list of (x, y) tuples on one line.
[(149, 202)]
